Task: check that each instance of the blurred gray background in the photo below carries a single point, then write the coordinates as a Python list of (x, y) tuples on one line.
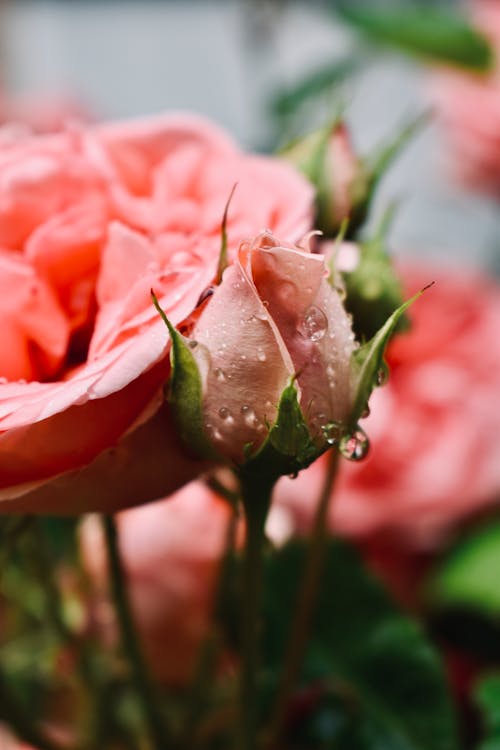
[(226, 59)]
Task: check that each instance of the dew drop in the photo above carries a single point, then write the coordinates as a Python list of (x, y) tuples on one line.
[(314, 324), (383, 375), (332, 432), (261, 355), (355, 446), (249, 416), (287, 291), (226, 415), (212, 432), (192, 344), (220, 374)]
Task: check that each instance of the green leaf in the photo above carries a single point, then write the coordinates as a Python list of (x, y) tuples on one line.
[(382, 675), (185, 394), (468, 577), (288, 447), (428, 32), (368, 360)]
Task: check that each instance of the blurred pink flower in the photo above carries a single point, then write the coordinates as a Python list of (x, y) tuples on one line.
[(468, 106), (434, 428), (90, 220)]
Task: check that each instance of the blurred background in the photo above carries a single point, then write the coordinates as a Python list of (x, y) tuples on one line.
[(232, 60)]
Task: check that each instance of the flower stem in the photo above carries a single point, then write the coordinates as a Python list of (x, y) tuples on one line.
[(306, 599), (256, 498), (153, 716)]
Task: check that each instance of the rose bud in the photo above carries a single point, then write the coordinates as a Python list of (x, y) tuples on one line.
[(372, 285), (345, 182), (272, 371)]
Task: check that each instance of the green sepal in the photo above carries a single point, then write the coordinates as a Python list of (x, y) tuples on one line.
[(185, 392), (289, 446), (222, 264), (420, 30), (373, 289), (377, 164), (368, 360), (324, 79)]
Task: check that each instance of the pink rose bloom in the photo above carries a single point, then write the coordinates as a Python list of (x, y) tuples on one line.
[(90, 221), (172, 552), (433, 428), (469, 107)]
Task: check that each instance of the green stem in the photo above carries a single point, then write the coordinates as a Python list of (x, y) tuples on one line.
[(153, 716), (94, 710), (256, 498), (306, 600)]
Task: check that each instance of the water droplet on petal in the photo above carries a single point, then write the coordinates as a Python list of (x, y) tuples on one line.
[(261, 355), (212, 432), (192, 344), (287, 291), (220, 374), (314, 324), (224, 412), (355, 446), (250, 416)]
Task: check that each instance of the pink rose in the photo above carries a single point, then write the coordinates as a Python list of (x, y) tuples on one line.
[(433, 428), (469, 107), (90, 220), (171, 552), (275, 317)]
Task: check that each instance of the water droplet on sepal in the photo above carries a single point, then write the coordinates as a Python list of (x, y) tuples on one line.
[(355, 445)]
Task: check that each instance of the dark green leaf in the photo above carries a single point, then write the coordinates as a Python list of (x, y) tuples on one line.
[(387, 683), (428, 32)]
